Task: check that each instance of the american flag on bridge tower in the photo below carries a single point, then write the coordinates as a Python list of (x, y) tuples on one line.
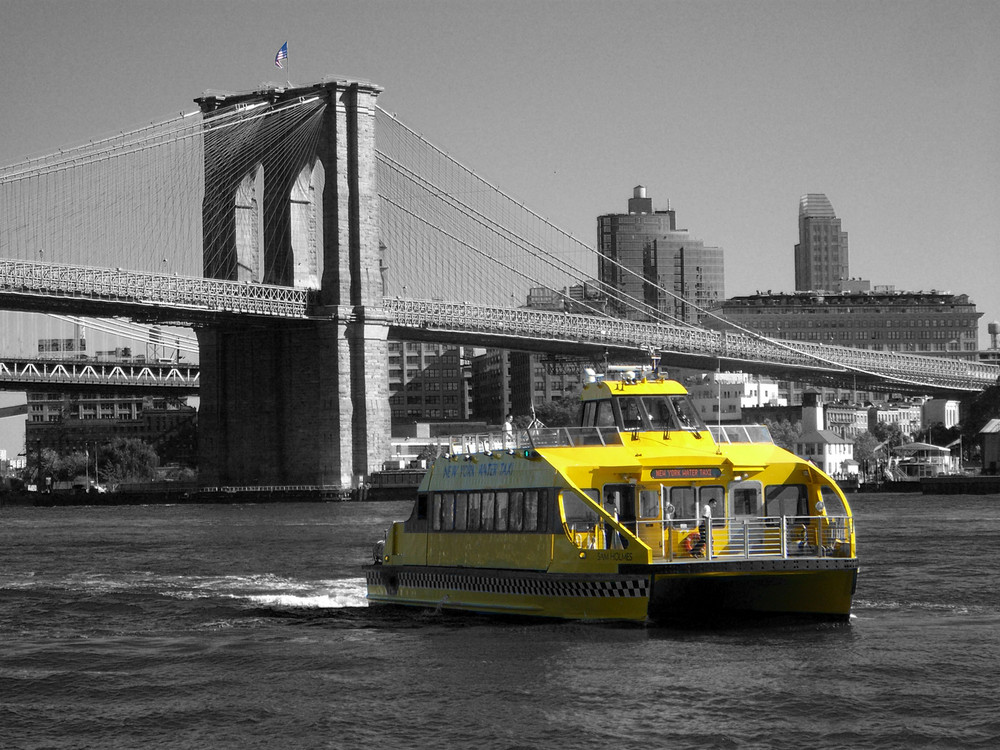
[(282, 55)]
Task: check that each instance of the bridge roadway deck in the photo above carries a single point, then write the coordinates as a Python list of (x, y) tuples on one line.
[(537, 330), (49, 287), (33, 286), (76, 375)]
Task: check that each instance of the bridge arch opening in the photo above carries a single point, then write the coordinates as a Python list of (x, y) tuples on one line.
[(306, 225), (249, 224)]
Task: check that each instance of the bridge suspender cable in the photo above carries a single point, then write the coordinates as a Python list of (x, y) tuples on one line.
[(532, 248), (491, 226), (463, 207)]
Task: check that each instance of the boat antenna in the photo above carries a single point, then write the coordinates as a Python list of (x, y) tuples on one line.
[(655, 359)]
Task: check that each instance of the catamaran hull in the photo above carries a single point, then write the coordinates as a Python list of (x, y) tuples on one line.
[(729, 590), (682, 594), (512, 592)]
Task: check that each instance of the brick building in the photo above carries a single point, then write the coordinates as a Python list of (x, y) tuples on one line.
[(428, 382)]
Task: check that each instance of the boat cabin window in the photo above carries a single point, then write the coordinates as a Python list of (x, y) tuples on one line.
[(514, 510), (785, 500), (687, 417), (488, 504), (474, 517), (688, 502), (746, 499), (619, 499), (649, 503), (576, 510), (598, 414), (660, 413), (661, 416), (502, 499), (632, 413), (447, 511), (531, 508), (461, 511), (714, 497), (683, 499), (834, 505)]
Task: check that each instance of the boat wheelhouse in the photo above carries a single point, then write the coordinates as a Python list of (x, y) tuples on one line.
[(639, 513)]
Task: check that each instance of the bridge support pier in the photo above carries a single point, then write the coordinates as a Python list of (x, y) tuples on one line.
[(297, 402), (292, 404)]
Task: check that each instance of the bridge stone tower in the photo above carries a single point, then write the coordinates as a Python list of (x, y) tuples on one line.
[(295, 402)]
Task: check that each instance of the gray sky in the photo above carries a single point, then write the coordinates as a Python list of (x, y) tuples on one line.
[(729, 110)]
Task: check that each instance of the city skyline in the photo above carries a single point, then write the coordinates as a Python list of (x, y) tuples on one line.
[(729, 111)]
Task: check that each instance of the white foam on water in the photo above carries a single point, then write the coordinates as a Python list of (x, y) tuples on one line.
[(260, 588), (336, 594)]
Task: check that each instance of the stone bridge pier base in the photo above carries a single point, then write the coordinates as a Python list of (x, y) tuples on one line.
[(293, 405)]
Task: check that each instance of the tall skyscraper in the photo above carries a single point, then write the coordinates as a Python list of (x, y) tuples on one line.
[(648, 266), (821, 255)]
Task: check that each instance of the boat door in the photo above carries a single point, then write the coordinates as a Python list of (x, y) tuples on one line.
[(619, 500), (746, 501)]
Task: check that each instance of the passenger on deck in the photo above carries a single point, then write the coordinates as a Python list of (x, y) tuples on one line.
[(705, 527)]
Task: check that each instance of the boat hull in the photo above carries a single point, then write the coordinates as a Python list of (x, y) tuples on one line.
[(818, 588), (674, 593), (512, 592)]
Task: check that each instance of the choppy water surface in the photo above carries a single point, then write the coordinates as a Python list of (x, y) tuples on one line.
[(246, 626)]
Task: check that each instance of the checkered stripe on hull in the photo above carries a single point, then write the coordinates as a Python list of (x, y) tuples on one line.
[(618, 587)]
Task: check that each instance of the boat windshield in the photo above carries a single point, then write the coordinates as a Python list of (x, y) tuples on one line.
[(663, 413)]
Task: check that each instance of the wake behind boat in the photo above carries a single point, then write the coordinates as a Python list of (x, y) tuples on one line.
[(640, 513)]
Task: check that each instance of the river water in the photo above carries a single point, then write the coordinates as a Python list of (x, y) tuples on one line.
[(245, 626)]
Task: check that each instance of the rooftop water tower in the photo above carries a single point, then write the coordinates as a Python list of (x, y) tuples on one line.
[(994, 331)]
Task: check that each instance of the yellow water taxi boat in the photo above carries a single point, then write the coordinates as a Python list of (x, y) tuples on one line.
[(641, 513)]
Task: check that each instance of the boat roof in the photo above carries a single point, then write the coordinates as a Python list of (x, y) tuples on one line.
[(914, 447), (645, 386)]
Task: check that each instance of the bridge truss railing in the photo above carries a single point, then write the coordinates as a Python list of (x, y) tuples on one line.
[(551, 325), (195, 298), (115, 284), (909, 369), (27, 373)]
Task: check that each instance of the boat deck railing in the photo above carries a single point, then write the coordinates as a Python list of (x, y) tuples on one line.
[(558, 437), (532, 437), (685, 540), (740, 433)]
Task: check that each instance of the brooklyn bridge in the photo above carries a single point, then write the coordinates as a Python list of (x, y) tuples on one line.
[(299, 230)]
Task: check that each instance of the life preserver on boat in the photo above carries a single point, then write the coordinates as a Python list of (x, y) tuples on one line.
[(378, 549), (694, 543)]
